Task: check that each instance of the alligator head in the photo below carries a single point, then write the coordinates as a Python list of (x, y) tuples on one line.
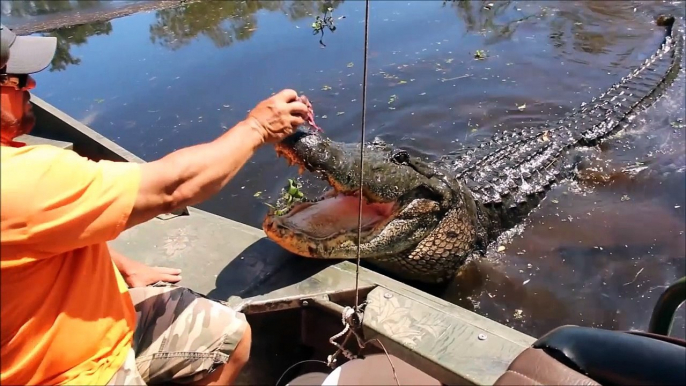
[(403, 199)]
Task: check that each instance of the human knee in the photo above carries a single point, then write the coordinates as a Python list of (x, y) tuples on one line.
[(241, 354), (227, 373)]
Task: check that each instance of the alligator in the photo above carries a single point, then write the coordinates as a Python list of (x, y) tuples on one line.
[(420, 220)]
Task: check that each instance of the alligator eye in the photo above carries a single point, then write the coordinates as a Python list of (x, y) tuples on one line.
[(400, 157)]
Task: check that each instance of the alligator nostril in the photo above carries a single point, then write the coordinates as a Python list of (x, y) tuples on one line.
[(400, 157)]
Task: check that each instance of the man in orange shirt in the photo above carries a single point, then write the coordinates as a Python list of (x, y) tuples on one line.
[(67, 314)]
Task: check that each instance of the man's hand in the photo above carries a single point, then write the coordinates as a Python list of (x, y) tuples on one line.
[(137, 274), (278, 117), (144, 275)]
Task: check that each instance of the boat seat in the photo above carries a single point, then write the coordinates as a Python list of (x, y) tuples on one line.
[(573, 355)]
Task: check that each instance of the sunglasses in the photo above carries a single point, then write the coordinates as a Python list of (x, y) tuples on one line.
[(19, 82)]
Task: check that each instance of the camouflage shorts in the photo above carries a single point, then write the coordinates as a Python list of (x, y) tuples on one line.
[(180, 336)]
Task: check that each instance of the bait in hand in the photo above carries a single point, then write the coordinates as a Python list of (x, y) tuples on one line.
[(310, 112)]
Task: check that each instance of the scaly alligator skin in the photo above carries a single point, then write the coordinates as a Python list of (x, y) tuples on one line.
[(421, 220)]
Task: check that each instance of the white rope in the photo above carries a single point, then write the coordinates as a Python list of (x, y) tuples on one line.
[(347, 320)]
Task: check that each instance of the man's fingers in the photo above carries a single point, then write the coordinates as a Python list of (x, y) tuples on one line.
[(171, 278), (169, 271), (287, 95), (298, 108), (296, 121)]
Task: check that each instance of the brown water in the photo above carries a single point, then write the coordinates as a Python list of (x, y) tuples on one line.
[(598, 252)]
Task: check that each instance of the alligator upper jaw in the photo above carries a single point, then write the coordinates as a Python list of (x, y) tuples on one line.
[(383, 180), (336, 163)]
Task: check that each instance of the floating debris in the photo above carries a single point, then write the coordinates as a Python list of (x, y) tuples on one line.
[(518, 314), (455, 78), (635, 277), (324, 22), (678, 124), (480, 55)]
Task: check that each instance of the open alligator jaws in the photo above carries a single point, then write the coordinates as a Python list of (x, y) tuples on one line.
[(420, 219)]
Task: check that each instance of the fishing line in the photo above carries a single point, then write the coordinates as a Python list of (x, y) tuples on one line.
[(364, 113), (346, 316)]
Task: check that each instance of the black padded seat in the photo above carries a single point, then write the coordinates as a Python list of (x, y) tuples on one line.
[(617, 357)]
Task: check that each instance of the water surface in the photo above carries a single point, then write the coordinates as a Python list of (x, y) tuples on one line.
[(598, 251)]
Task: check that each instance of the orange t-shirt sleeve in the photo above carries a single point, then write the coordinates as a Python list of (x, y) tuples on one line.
[(55, 200)]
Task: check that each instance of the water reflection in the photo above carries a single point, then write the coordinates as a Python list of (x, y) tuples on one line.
[(226, 23), (74, 36), (22, 9), (222, 22), (574, 25), (479, 16), (581, 31)]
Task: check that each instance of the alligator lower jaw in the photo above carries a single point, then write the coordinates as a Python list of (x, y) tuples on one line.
[(316, 229)]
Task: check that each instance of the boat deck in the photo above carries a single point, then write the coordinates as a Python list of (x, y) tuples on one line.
[(237, 264)]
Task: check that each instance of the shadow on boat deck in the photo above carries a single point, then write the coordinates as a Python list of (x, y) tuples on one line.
[(261, 268)]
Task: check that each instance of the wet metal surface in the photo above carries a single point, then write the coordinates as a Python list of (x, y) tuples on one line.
[(597, 252)]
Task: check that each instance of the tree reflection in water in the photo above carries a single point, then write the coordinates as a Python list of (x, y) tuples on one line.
[(223, 22), (78, 35), (227, 22), (46, 7)]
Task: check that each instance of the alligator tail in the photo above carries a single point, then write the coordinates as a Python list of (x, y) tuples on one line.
[(512, 166), (616, 108)]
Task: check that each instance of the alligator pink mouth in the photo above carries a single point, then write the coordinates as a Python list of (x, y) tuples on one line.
[(327, 218)]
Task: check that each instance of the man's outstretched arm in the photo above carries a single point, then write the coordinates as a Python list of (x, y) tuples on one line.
[(86, 202), (193, 174)]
